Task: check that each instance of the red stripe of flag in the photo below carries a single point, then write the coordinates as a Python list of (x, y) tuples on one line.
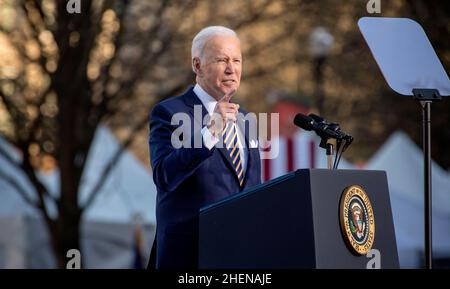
[(290, 154), (266, 163), (267, 172)]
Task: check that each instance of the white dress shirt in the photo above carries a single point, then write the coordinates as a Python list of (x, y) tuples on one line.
[(208, 139)]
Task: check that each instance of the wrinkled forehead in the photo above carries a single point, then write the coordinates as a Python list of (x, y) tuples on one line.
[(223, 45)]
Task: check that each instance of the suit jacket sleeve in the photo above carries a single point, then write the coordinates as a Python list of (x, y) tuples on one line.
[(171, 166)]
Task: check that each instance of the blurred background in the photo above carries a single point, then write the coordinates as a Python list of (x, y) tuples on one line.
[(78, 81)]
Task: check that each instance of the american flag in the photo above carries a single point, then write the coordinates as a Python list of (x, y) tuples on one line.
[(298, 151)]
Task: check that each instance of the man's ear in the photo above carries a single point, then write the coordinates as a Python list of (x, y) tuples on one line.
[(196, 66)]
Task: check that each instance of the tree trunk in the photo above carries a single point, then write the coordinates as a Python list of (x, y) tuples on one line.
[(65, 235)]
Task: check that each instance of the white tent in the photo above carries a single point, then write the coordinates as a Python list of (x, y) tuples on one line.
[(108, 224), (403, 162)]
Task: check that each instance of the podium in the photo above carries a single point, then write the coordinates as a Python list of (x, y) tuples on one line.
[(298, 221)]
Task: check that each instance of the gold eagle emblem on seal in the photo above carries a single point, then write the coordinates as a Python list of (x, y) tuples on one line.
[(357, 220)]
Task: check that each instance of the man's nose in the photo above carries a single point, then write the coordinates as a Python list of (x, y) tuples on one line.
[(229, 69)]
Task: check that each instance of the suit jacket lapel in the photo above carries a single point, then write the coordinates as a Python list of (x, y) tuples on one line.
[(192, 100), (194, 104)]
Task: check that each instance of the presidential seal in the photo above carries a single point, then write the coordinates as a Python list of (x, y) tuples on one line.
[(357, 220)]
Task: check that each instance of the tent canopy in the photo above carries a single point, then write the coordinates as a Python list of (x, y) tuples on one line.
[(403, 162), (128, 190)]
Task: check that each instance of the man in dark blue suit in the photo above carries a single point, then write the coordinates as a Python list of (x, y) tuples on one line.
[(218, 155)]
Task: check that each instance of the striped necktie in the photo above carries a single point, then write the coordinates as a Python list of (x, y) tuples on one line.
[(230, 140)]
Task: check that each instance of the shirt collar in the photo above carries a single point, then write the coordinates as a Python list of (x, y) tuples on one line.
[(207, 100)]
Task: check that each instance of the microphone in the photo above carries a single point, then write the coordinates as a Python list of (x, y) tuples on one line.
[(304, 121), (334, 127), (326, 131), (321, 128), (316, 117)]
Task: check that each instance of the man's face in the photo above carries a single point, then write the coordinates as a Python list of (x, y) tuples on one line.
[(219, 70)]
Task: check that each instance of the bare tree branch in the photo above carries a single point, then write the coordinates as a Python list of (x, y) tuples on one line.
[(150, 36), (27, 169), (34, 30), (118, 42), (261, 71), (10, 159), (112, 163), (97, 111), (42, 191), (20, 190), (116, 157), (255, 15), (256, 49), (16, 115)]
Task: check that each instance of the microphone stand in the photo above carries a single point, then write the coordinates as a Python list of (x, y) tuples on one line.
[(342, 145), (329, 145), (332, 139), (330, 153)]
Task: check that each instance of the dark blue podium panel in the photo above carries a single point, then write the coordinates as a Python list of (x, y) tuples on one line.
[(294, 222)]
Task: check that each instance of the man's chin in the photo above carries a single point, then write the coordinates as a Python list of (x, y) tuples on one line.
[(228, 89)]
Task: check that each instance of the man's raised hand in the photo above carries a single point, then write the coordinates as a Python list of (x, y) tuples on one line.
[(224, 111)]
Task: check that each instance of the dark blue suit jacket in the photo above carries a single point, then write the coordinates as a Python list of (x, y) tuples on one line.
[(188, 179)]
